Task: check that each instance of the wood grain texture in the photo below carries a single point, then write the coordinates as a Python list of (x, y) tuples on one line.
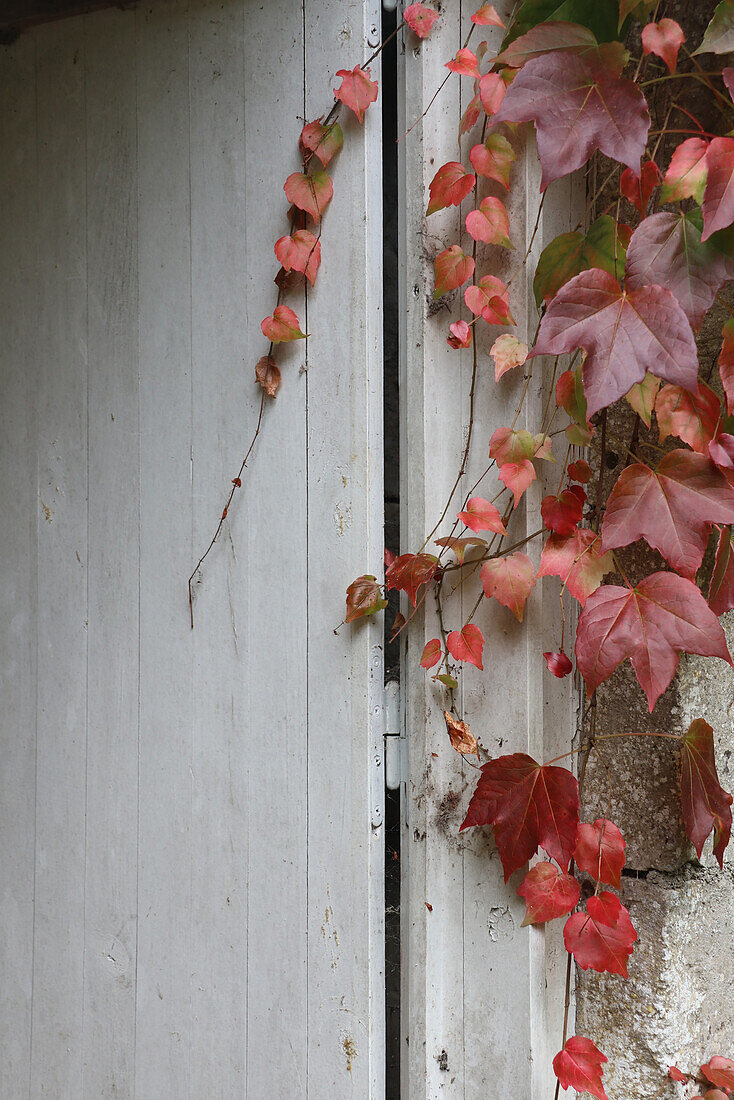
[(482, 998), (183, 807)]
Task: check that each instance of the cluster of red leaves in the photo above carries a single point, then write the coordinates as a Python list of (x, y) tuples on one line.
[(718, 1071)]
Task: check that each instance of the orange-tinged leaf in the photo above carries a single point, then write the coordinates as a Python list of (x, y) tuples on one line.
[(409, 572), (467, 645), (461, 737), (268, 375), (509, 445), (482, 515), (431, 653), (459, 335), (509, 580), (671, 507), (720, 1071), (675, 1075), (465, 64), (600, 851), (300, 252), (577, 560), (652, 624), (686, 175), (492, 90), (508, 352), (460, 546), (691, 416), (638, 187), (548, 893), (453, 267), (530, 806), (486, 16), (311, 192), (489, 299), (579, 1066), (517, 476), (705, 804), (364, 597), (420, 19), (493, 159), (449, 187), (356, 90), (323, 141), (664, 39), (721, 589), (489, 223), (282, 326), (602, 938)]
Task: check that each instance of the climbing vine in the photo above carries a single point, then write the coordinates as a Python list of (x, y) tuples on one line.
[(620, 303)]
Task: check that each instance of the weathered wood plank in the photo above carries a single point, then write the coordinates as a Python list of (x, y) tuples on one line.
[(111, 904), (61, 427), (18, 545), (345, 539), (164, 1026)]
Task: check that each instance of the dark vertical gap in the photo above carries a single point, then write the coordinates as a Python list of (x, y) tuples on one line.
[(392, 530)]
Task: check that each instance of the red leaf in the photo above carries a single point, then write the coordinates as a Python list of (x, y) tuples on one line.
[(639, 188), (453, 267), (481, 515), (600, 851), (726, 364), (467, 645), (470, 116), (408, 572), (721, 589), (461, 737), (577, 560), (691, 416), (549, 37), (508, 352), (667, 249), (324, 141), (465, 64), (282, 326), (268, 375), (364, 597), (580, 471), (493, 159), (671, 507), (530, 806), (558, 664), (705, 804), (489, 300), (601, 939), (356, 90), (664, 39), (311, 193), (624, 335), (579, 103), (517, 476), (449, 186), (420, 19), (686, 175), (486, 16), (460, 335), (492, 90), (509, 580), (675, 1075), (579, 1066), (720, 1071), (431, 653), (300, 252), (562, 514), (718, 195), (548, 892), (663, 616), (489, 223)]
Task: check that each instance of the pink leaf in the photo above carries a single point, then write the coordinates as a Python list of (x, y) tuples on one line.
[(420, 19), (493, 159), (492, 90), (718, 195), (453, 267), (467, 645), (449, 186), (720, 1071), (465, 64), (579, 1066), (577, 560), (726, 364), (721, 589), (460, 335), (664, 39), (356, 90), (309, 192), (692, 417), (300, 252), (489, 299), (324, 141), (486, 16), (481, 515), (282, 326), (431, 653), (517, 476), (508, 352), (509, 580), (686, 175), (489, 223)]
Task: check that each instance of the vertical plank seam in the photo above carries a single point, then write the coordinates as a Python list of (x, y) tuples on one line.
[(135, 16), (86, 579), (249, 708), (308, 625), (190, 656)]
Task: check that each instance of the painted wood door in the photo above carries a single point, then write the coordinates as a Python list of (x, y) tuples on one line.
[(189, 820), (482, 997)]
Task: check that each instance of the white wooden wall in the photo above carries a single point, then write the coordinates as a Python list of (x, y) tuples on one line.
[(482, 998), (191, 883)]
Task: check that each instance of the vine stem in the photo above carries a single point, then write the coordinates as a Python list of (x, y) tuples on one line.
[(236, 484)]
